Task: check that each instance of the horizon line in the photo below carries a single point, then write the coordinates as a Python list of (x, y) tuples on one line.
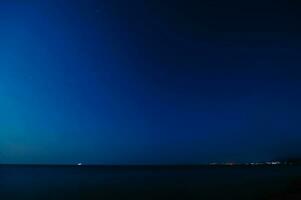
[(145, 165)]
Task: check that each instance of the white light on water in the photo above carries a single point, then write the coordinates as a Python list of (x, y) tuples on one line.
[(79, 164)]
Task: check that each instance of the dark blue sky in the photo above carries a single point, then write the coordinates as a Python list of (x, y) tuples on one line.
[(153, 82)]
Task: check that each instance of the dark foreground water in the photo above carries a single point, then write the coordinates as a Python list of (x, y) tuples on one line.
[(204, 183)]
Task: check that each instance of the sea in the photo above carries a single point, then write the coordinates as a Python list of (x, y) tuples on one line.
[(156, 183)]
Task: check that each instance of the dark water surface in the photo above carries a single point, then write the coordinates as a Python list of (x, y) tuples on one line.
[(204, 183)]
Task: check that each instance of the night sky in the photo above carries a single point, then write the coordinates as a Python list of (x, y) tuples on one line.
[(149, 82)]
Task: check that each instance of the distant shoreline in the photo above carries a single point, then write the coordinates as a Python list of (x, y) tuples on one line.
[(152, 166)]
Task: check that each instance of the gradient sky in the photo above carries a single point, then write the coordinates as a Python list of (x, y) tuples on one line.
[(149, 82)]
